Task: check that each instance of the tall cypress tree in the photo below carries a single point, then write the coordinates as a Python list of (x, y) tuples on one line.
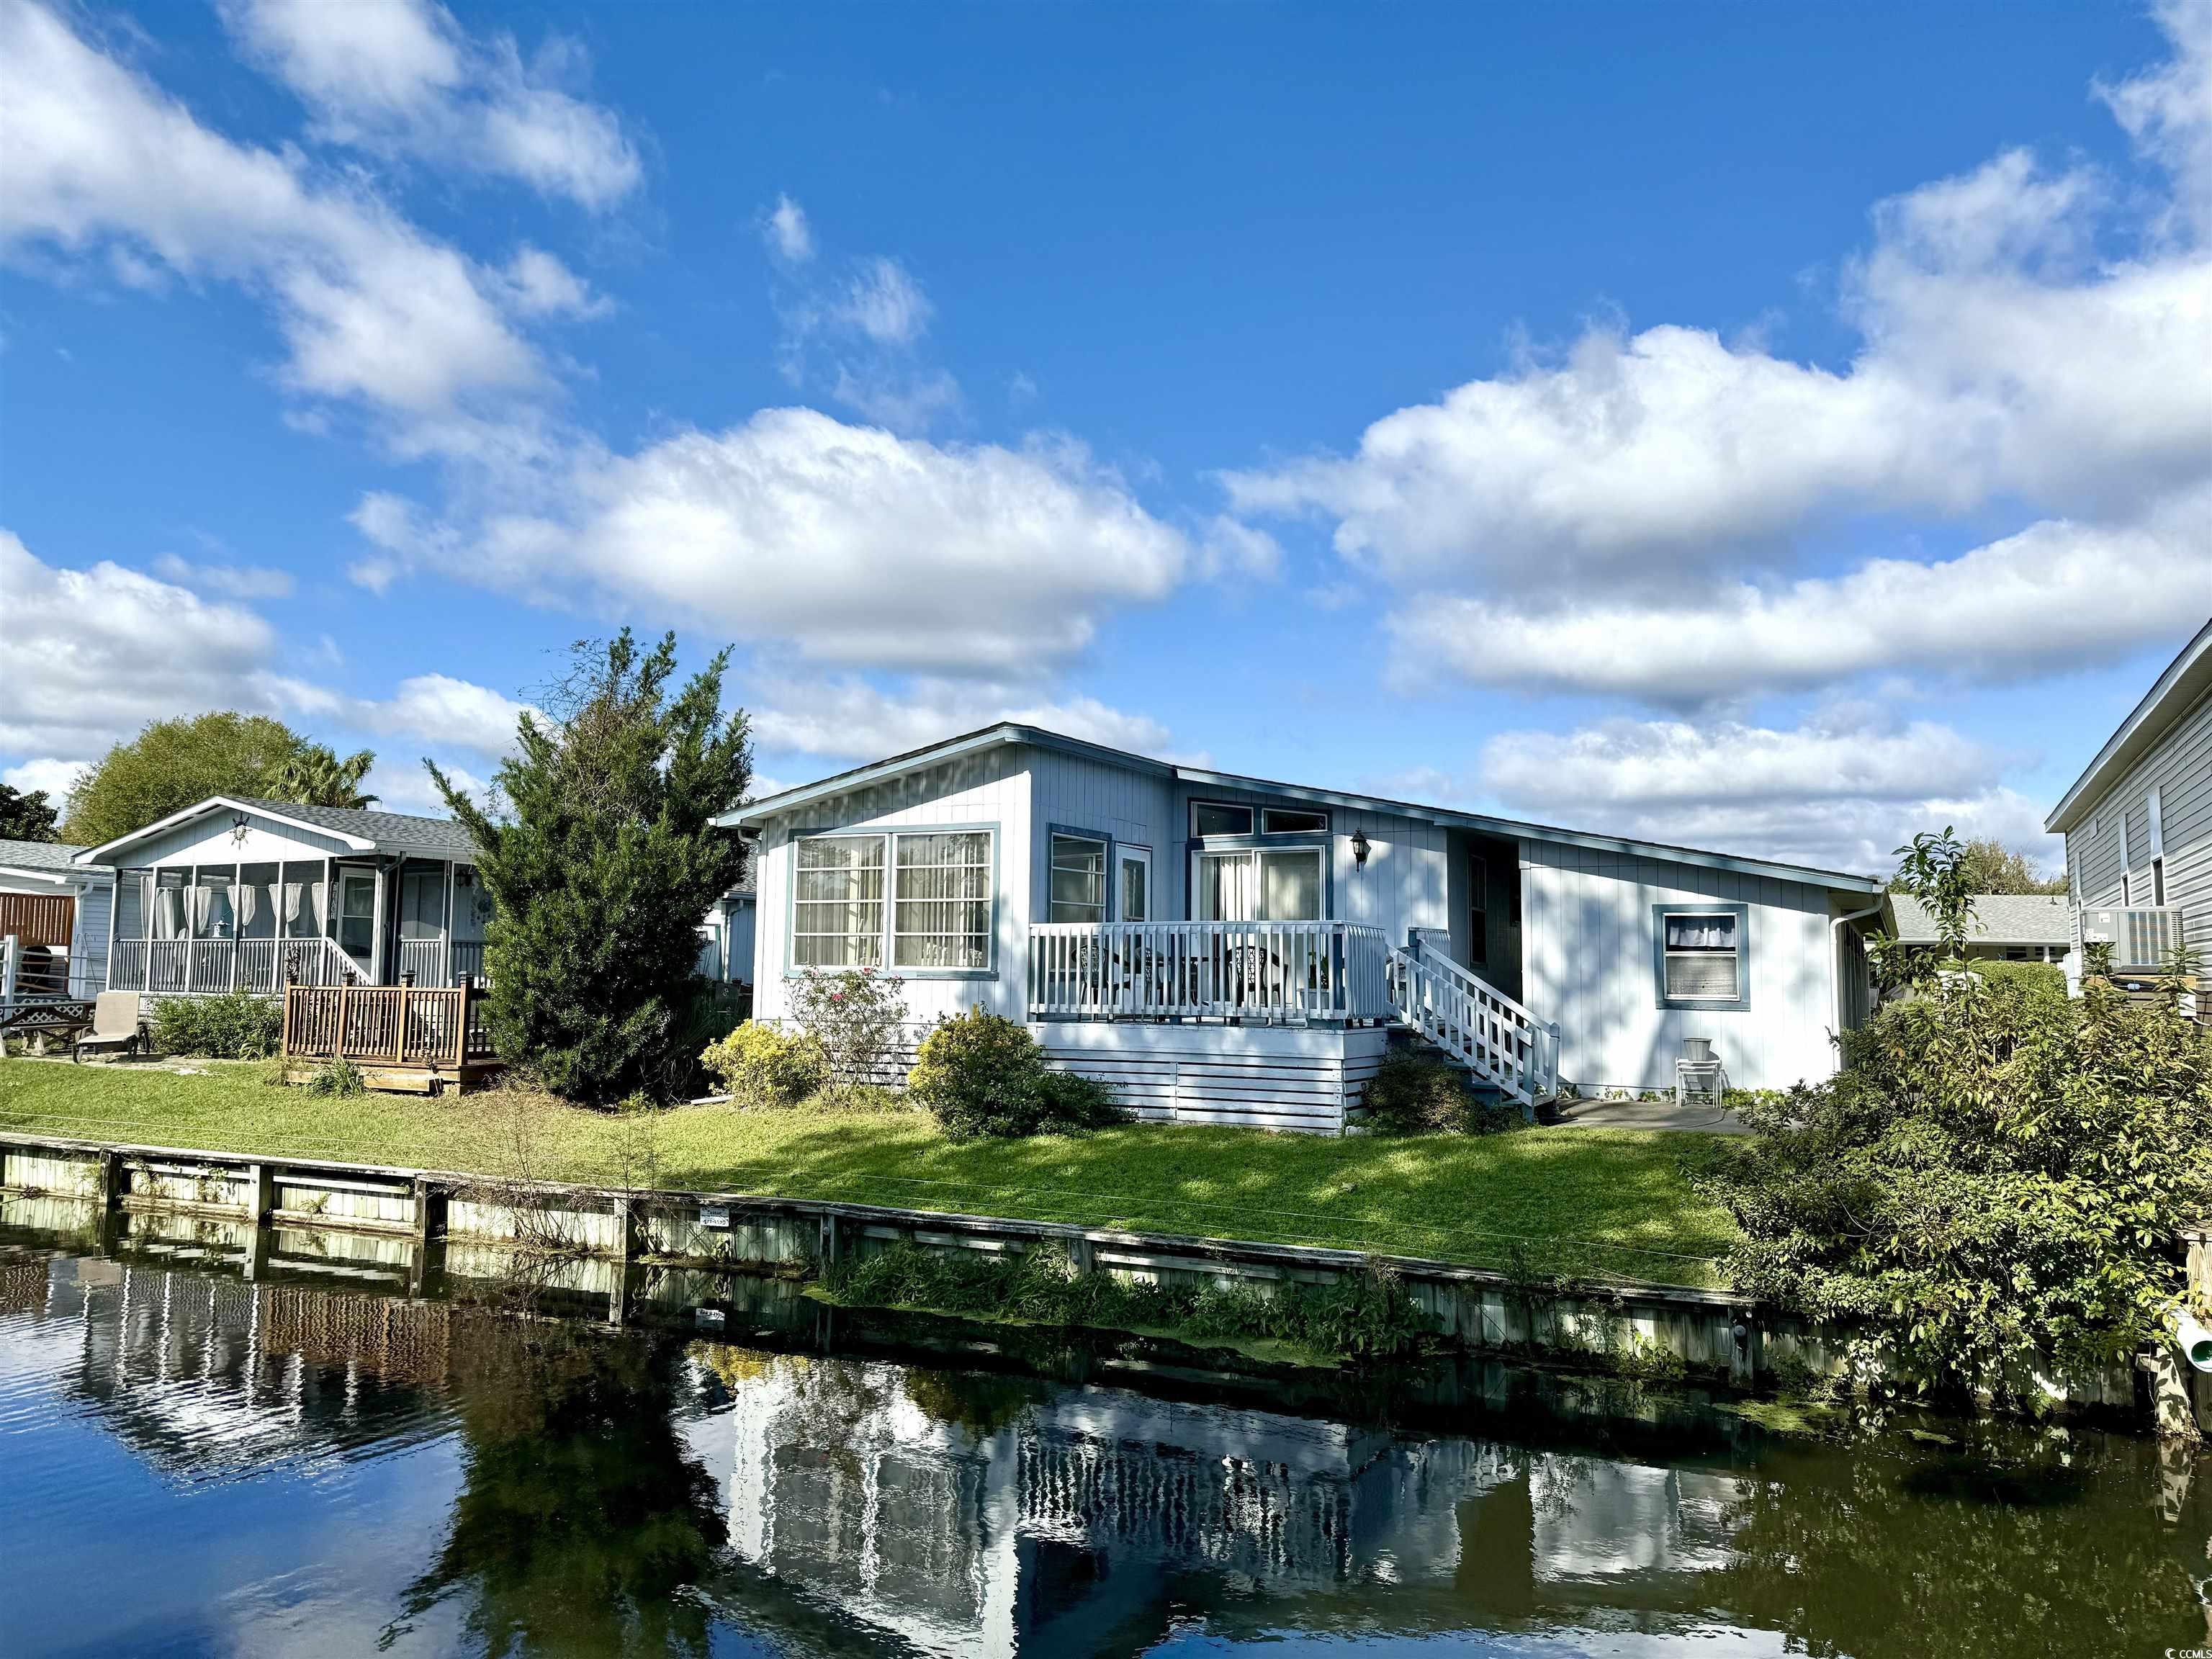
[(604, 866)]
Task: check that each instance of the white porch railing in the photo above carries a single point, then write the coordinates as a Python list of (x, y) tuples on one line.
[(1276, 972), (204, 966), (1469, 1017)]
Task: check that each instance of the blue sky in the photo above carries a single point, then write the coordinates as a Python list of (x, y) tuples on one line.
[(1772, 429)]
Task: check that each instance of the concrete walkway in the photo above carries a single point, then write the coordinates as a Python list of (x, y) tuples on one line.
[(1651, 1114)]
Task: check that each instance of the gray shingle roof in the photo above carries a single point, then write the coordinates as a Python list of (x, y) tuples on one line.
[(404, 828), (37, 854), (1999, 918)]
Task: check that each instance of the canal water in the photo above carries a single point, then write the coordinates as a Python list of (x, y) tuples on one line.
[(207, 1447)]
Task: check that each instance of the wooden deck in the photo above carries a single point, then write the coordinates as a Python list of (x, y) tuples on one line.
[(402, 1038)]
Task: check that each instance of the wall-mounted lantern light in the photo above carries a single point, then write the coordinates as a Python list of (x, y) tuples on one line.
[(1360, 848)]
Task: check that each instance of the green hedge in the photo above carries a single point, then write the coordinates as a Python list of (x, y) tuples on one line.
[(237, 1025)]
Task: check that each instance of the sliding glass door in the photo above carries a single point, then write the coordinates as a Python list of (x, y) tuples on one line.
[(1257, 885)]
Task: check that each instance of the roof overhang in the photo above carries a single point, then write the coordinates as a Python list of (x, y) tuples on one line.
[(105, 853), (72, 878), (2187, 678), (754, 815)]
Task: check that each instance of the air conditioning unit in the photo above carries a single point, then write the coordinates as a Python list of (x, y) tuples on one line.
[(2139, 938)]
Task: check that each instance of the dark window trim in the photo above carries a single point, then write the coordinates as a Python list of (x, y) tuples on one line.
[(1741, 1003)]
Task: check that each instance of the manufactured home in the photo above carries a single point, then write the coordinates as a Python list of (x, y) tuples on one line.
[(1234, 949), (234, 893), (55, 910), (2138, 823)]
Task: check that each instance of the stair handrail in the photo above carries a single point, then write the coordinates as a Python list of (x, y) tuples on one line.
[(1526, 1080)]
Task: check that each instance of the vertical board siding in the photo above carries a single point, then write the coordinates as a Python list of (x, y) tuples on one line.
[(1588, 932), (992, 786), (1135, 808), (2179, 766)]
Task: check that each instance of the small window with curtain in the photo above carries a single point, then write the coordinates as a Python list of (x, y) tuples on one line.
[(1078, 879), (1702, 956)]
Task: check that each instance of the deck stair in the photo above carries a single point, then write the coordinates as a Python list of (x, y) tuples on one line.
[(1476, 1024)]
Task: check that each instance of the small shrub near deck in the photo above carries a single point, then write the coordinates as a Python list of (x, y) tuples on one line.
[(1413, 1093), (979, 1074), (855, 1016), (762, 1066), (337, 1077), (1365, 1317), (237, 1025)]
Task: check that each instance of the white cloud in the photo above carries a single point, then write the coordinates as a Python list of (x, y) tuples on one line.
[(884, 303), (849, 719), (844, 543), (232, 581), (905, 401), (539, 285), (93, 654), (441, 710), (405, 786), (402, 78), (1837, 794), (100, 163), (2058, 596), (52, 777), (785, 229), (1602, 521)]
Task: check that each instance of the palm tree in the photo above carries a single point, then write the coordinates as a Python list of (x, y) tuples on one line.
[(315, 776)]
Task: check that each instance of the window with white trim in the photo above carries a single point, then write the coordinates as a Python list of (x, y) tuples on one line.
[(1701, 956), (1078, 879), (1257, 885), (916, 901)]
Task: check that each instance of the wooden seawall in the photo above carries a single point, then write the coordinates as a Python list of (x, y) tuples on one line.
[(593, 1240)]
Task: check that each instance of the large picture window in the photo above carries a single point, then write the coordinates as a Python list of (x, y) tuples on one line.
[(1251, 885), (1702, 953), (915, 900)]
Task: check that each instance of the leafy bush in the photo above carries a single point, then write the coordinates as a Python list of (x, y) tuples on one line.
[(855, 1016), (1365, 1317), (1991, 1185), (982, 1075), (1415, 1092), (337, 1077), (236, 1026), (765, 1067), (2045, 980)]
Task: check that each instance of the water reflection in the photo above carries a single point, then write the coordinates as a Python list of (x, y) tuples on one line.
[(286, 1466)]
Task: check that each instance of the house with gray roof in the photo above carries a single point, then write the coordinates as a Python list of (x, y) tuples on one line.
[(239, 893), (1233, 948), (56, 911), (2007, 926)]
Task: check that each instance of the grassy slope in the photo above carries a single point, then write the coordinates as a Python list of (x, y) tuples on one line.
[(1611, 1201)]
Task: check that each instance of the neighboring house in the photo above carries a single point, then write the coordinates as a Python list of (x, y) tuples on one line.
[(234, 893), (57, 910), (239, 894), (2138, 822), (2007, 926), (725, 937), (1231, 948)]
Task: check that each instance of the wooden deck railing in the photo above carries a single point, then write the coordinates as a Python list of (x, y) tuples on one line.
[(1275, 971), (386, 1025), (45, 919)]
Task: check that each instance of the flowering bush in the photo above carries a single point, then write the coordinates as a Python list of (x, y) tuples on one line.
[(855, 1016), (763, 1065)]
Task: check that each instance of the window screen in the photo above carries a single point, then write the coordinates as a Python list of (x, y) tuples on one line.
[(1704, 956), (1078, 879)]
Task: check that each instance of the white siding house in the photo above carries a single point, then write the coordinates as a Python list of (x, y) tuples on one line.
[(1231, 948), (61, 928), (2138, 821)]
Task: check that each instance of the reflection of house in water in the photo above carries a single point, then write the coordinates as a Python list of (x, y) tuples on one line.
[(203, 1375), (1069, 1520)]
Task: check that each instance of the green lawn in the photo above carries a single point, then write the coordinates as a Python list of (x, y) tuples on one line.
[(1586, 1201)]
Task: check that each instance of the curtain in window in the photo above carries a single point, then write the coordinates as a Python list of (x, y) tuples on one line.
[(837, 902), (169, 904), (1291, 886), (1701, 959), (941, 910), (256, 902), (1225, 888)]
